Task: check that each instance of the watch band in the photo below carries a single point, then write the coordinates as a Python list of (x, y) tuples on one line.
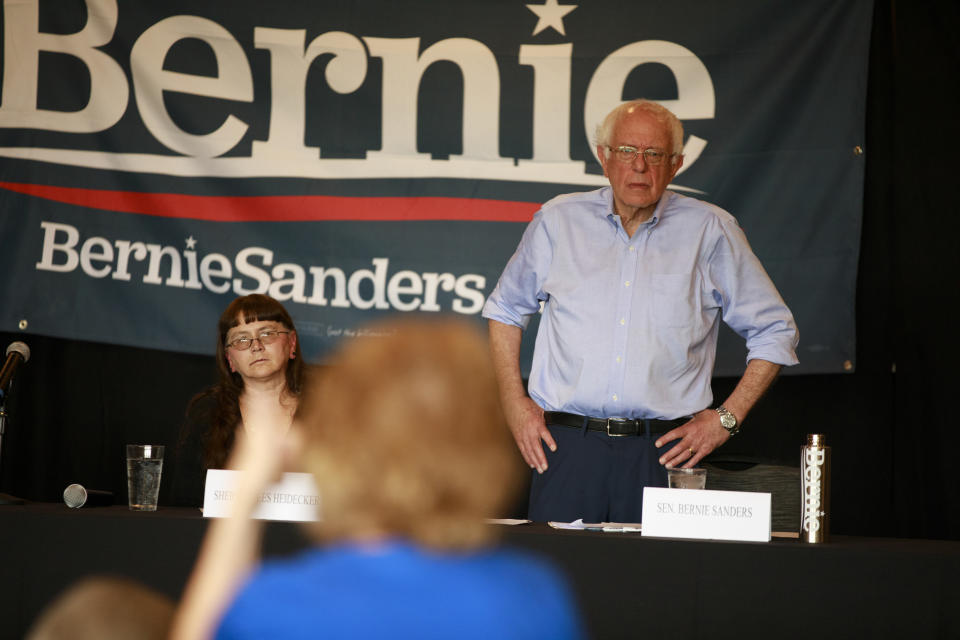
[(728, 421)]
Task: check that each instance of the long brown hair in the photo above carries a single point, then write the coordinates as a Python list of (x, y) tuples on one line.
[(226, 416)]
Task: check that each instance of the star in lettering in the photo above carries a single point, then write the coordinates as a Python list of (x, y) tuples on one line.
[(191, 242), (550, 15)]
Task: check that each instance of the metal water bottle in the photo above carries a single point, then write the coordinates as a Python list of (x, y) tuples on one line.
[(815, 496)]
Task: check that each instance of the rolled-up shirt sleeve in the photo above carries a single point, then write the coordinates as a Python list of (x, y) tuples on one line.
[(752, 306), (519, 291)]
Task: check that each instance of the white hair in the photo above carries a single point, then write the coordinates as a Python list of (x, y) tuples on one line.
[(660, 113)]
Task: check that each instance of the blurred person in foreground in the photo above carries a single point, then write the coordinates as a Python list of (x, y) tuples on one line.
[(260, 369), (406, 441), (105, 608)]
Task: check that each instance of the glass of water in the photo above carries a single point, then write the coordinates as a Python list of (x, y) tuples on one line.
[(686, 478), (144, 466)]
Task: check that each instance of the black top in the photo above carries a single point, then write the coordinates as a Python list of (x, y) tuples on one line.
[(187, 470)]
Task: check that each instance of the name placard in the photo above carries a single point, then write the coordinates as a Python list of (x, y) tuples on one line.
[(706, 515), (295, 498)]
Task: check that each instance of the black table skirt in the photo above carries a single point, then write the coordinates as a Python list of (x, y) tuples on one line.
[(627, 586)]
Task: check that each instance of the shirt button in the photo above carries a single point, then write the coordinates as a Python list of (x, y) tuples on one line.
[(633, 248), (618, 359), (614, 397), (622, 322), (627, 283)]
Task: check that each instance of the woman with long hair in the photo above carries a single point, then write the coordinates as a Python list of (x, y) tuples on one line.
[(260, 373)]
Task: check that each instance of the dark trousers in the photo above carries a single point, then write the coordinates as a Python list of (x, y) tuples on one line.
[(596, 477)]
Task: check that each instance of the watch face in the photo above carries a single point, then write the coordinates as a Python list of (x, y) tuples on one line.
[(728, 421)]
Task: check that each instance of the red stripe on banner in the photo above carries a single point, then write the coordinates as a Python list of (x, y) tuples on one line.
[(282, 208)]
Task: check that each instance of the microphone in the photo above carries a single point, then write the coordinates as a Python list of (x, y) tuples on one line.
[(17, 352), (76, 496)]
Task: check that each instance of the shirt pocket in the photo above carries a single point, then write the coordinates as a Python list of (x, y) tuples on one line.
[(672, 303)]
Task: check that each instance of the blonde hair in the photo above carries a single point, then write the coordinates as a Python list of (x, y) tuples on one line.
[(405, 436)]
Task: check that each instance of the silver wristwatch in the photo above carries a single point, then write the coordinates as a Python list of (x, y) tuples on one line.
[(728, 421)]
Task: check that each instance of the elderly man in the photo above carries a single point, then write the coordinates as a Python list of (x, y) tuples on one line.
[(633, 280)]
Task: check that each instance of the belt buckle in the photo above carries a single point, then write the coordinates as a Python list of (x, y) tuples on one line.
[(614, 435)]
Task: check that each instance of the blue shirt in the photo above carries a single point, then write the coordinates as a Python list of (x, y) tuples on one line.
[(629, 326), (399, 590)]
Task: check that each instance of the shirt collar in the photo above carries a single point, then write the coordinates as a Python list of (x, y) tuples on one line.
[(657, 212)]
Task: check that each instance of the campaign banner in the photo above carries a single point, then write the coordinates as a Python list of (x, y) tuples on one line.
[(356, 160)]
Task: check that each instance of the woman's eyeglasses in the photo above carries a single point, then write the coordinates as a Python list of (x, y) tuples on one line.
[(265, 338)]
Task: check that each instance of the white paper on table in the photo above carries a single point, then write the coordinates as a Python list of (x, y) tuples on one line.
[(295, 498), (706, 514), (609, 527)]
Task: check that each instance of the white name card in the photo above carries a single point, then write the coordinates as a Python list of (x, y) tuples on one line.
[(295, 498), (706, 515)]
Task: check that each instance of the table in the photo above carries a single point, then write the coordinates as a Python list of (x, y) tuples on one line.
[(627, 586)]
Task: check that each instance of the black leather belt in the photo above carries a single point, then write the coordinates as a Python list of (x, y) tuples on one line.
[(613, 426)]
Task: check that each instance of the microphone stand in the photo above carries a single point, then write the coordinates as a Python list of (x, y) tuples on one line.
[(5, 498)]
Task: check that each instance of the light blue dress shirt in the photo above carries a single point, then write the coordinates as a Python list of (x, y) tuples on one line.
[(630, 324)]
